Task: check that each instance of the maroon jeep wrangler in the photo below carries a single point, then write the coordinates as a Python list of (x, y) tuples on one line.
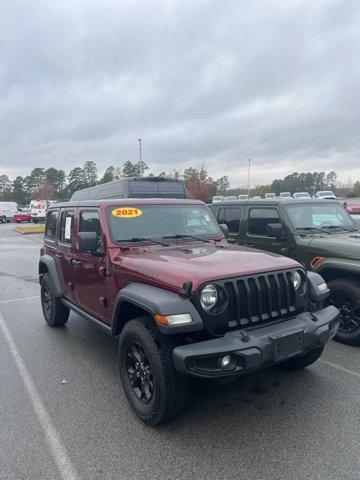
[(184, 303)]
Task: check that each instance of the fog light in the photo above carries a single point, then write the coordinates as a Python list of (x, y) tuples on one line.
[(225, 361)]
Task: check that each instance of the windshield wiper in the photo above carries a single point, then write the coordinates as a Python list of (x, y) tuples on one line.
[(317, 229), (346, 229), (139, 239), (187, 236)]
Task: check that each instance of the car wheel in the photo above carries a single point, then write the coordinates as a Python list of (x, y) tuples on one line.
[(303, 361), (345, 295), (155, 391), (54, 311)]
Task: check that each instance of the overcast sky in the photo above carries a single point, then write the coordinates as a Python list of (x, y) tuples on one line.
[(199, 81)]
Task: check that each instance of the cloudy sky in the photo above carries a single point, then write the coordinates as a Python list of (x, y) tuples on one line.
[(208, 81)]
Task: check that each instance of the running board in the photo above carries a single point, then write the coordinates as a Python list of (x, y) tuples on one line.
[(86, 315)]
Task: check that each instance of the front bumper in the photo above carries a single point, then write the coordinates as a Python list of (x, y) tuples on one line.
[(252, 350)]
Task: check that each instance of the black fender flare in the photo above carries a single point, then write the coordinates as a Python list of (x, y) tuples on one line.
[(338, 264), (156, 300), (49, 263)]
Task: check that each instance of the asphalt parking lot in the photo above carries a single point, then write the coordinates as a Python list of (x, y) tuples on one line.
[(275, 425)]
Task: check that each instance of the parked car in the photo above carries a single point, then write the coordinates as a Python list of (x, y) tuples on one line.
[(352, 209), (326, 195), (269, 196), (243, 196), (301, 195), (160, 274), (285, 194), (320, 234), (7, 211), (229, 198), (217, 199), (22, 216)]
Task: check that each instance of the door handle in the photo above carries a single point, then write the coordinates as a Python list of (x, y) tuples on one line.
[(75, 263)]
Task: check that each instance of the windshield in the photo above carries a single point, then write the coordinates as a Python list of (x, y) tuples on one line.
[(320, 215), (302, 195), (158, 221)]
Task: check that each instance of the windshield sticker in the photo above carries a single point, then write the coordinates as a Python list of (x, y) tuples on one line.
[(126, 212)]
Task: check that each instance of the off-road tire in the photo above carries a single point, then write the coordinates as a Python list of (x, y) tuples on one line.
[(350, 290), (303, 361), (55, 312), (170, 389)]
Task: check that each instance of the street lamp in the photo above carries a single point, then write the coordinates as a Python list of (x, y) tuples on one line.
[(140, 162), (249, 160)]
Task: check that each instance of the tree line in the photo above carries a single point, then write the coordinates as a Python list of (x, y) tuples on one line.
[(55, 184)]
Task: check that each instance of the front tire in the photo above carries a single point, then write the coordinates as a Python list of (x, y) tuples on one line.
[(298, 363), (345, 295), (155, 391), (54, 311)]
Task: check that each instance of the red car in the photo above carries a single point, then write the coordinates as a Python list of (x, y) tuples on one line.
[(353, 209), (22, 217)]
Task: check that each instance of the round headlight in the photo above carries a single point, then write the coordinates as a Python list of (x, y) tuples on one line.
[(297, 280), (208, 297)]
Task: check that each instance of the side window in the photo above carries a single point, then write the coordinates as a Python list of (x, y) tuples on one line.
[(90, 222), (50, 228), (259, 219), (66, 227), (220, 215), (232, 219)]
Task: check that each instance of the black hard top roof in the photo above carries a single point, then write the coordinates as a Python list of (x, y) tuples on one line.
[(273, 201), (126, 202)]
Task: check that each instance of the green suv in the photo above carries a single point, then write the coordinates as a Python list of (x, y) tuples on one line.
[(320, 234)]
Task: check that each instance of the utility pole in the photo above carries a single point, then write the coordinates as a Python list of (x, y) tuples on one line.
[(249, 160), (140, 161)]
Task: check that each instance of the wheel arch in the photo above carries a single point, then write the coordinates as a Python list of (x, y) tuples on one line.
[(136, 300), (47, 265), (332, 269)]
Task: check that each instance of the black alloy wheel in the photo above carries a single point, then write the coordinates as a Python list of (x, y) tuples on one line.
[(139, 372), (350, 312)]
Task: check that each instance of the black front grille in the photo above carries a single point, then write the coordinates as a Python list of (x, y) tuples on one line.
[(260, 298)]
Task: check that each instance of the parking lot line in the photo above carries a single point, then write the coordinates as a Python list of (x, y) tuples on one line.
[(19, 299), (56, 447), (339, 367)]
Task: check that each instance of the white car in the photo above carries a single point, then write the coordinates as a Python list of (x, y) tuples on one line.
[(38, 209), (285, 194), (326, 195), (217, 199), (228, 198), (269, 196), (243, 196), (301, 195)]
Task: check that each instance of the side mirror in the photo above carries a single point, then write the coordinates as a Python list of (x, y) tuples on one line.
[(274, 230), (88, 241), (224, 229)]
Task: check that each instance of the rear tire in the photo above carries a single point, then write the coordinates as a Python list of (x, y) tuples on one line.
[(155, 391), (303, 361), (54, 311), (345, 295)]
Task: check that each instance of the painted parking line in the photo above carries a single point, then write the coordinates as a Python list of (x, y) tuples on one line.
[(11, 300), (339, 367), (55, 445)]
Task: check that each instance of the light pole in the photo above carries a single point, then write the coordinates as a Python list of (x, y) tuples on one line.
[(249, 160), (140, 161)]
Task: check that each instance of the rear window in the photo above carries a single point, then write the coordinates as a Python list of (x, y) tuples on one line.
[(51, 222)]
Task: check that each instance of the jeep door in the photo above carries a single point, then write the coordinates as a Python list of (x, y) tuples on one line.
[(89, 268), (254, 230), (231, 216), (65, 251)]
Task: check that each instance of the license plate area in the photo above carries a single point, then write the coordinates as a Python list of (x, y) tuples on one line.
[(286, 346)]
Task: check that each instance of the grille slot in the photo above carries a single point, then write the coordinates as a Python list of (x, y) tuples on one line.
[(258, 299)]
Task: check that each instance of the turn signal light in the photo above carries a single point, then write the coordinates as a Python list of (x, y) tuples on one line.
[(170, 320), (315, 261)]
